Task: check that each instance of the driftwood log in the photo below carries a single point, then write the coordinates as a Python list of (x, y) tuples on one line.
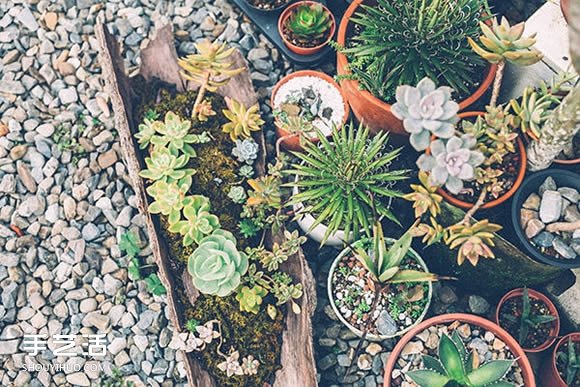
[(159, 61)]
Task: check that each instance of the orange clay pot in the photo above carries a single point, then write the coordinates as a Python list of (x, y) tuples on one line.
[(551, 377), (511, 343), (304, 50), (518, 293), (293, 143), (372, 111), (496, 202)]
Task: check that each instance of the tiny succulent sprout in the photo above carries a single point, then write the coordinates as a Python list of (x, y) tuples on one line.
[(168, 199), (474, 240), (243, 120), (246, 171), (309, 21), (426, 110), (251, 298), (456, 367), (527, 319), (246, 151), (504, 42), (237, 194), (265, 191), (165, 165), (147, 129), (217, 266), (451, 162), (204, 110), (424, 197), (198, 222)]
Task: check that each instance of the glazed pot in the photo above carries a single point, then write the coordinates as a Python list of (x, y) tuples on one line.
[(354, 329), (293, 142), (371, 110), (510, 342), (273, 10), (519, 293), (496, 202), (550, 376), (562, 178), (304, 50)]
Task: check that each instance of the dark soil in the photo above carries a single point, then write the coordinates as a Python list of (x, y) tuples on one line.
[(536, 336), (561, 362), (516, 10), (268, 4), (304, 42)]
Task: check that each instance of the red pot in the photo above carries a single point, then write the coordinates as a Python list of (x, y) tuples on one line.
[(550, 376), (372, 111), (293, 143), (496, 202), (304, 50), (511, 343), (536, 296)]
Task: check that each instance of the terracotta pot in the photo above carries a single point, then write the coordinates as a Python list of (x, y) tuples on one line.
[(531, 137), (496, 202), (518, 293), (359, 332), (371, 110), (550, 376), (565, 7), (293, 143), (510, 342), (304, 50)]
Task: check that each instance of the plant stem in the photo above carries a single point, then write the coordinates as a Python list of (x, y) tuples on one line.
[(480, 200), (282, 139), (200, 95), (378, 292), (497, 83)]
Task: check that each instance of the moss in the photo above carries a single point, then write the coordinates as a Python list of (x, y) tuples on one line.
[(250, 334)]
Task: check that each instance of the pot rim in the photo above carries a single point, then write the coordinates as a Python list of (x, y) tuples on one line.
[(575, 336), (353, 329), (509, 193), (510, 342), (277, 9), (537, 178), (342, 62), (554, 331), (304, 50)]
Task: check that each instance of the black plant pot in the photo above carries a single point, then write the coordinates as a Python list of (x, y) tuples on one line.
[(531, 184), (273, 10)]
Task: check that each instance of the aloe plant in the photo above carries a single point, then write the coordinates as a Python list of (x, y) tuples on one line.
[(571, 361), (335, 179), (455, 367)]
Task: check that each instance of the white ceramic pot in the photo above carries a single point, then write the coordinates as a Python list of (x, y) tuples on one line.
[(357, 331)]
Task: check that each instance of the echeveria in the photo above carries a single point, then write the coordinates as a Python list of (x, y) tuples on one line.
[(198, 221), (426, 110), (246, 150), (451, 162), (216, 265)]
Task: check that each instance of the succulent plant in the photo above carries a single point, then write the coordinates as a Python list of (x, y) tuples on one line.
[(431, 233), (251, 298), (505, 42), (147, 130), (265, 191), (164, 165), (246, 171), (216, 265), (455, 367), (198, 222), (168, 199), (424, 197), (400, 42), (295, 124), (243, 120), (451, 163), (246, 151), (309, 21), (237, 194), (335, 178), (426, 111), (204, 110), (572, 362), (474, 240), (174, 134)]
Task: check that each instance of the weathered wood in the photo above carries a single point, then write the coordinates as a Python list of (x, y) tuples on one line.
[(159, 61)]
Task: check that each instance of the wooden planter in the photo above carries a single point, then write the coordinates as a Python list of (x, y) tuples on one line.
[(159, 62)]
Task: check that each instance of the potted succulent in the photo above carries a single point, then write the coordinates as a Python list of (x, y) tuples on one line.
[(530, 317), (268, 5), (377, 39), (456, 349), (306, 27), (333, 179), (380, 288), (535, 109), (305, 100), (546, 217), (564, 369)]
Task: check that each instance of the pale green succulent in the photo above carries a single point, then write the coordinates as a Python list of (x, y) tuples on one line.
[(174, 134), (246, 171), (168, 199), (426, 110), (198, 222), (217, 266), (451, 162), (165, 165), (237, 194), (147, 130)]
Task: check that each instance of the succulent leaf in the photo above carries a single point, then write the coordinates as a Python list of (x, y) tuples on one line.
[(309, 21), (243, 120)]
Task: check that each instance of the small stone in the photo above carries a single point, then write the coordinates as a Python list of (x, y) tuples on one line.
[(532, 202), (498, 344), (385, 324), (373, 348), (544, 239), (8, 184), (51, 20), (325, 363), (90, 232), (88, 305), (9, 347), (571, 214), (68, 95), (343, 360), (447, 295), (97, 320), (550, 207), (527, 215), (464, 331), (45, 130), (107, 159), (563, 249), (27, 19), (26, 177), (17, 152), (412, 348), (11, 87), (78, 379), (364, 362), (548, 185), (570, 194), (534, 227), (478, 305), (432, 341)]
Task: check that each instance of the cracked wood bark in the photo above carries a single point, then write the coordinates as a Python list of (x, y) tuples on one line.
[(159, 60)]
